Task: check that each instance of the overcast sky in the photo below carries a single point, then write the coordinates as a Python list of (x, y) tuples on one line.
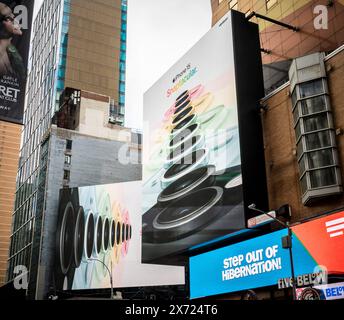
[(159, 33)]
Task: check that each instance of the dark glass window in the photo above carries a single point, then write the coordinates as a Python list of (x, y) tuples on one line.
[(313, 105), (66, 175), (296, 115), (320, 158), (311, 88), (318, 140), (317, 122), (69, 144), (302, 165), (294, 97), (298, 130), (323, 178)]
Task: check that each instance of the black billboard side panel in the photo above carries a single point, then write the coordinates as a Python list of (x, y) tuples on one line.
[(250, 89)]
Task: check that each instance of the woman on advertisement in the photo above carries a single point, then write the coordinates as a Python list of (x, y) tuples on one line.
[(11, 62)]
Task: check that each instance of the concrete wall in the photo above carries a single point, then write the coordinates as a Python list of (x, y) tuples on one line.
[(94, 120), (280, 146)]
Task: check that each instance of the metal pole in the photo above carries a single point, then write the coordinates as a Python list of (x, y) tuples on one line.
[(282, 24), (290, 235), (290, 244), (111, 280)]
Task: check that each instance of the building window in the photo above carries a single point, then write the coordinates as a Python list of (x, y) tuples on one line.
[(311, 88), (69, 145), (315, 136), (68, 159), (233, 5), (66, 175), (270, 4)]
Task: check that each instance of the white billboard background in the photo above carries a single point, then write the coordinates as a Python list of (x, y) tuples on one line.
[(213, 58), (215, 71), (127, 271)]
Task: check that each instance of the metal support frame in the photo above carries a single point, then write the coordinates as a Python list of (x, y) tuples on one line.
[(282, 24)]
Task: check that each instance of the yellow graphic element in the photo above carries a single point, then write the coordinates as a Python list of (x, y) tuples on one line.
[(203, 103)]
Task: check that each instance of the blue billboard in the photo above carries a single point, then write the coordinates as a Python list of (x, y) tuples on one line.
[(255, 263)]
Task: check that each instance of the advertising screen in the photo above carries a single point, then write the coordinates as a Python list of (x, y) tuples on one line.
[(15, 33), (331, 291), (251, 264), (323, 239), (262, 261), (193, 183), (98, 234)]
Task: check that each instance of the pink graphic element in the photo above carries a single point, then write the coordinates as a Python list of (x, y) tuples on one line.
[(169, 113), (196, 92), (126, 222)]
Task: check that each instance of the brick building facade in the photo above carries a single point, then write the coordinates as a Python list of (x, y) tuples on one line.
[(280, 144), (285, 44)]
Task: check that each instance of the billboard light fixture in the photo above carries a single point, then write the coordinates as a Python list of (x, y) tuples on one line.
[(266, 51)]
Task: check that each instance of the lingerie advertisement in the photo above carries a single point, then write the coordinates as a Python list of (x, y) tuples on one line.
[(15, 35)]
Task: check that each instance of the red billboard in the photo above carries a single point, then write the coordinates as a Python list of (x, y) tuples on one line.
[(324, 240)]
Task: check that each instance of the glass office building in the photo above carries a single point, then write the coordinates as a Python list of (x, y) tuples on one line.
[(123, 55), (79, 44)]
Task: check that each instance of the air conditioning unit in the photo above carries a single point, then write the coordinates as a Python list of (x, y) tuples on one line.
[(112, 119)]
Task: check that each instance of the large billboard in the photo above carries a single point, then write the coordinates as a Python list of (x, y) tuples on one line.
[(251, 264), (15, 34), (323, 239), (195, 158), (262, 261), (98, 235)]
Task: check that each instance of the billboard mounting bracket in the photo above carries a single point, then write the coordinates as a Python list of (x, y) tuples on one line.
[(282, 24)]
